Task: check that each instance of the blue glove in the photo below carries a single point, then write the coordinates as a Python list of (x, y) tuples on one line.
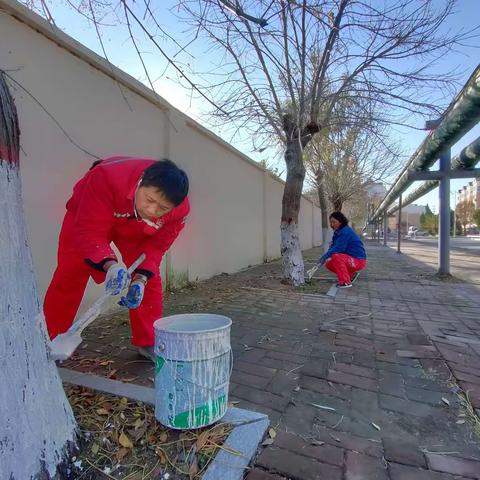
[(321, 260), (117, 279), (134, 295)]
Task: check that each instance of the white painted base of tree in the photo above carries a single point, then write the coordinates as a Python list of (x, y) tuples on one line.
[(37, 426), (326, 238), (292, 259)]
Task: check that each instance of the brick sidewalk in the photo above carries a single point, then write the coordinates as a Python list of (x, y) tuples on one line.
[(361, 387)]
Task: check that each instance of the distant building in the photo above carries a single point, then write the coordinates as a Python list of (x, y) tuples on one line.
[(376, 192), (410, 217), (470, 192)]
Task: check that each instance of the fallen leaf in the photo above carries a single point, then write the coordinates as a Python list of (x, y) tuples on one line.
[(122, 452), (268, 441), (102, 411), (193, 470), (125, 441), (95, 448), (444, 400), (272, 433), (317, 442), (335, 438), (460, 422), (138, 423), (323, 407), (163, 437), (202, 440)]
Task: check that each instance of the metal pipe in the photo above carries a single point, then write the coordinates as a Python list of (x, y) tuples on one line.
[(444, 214), (385, 228), (461, 115), (466, 159), (399, 227)]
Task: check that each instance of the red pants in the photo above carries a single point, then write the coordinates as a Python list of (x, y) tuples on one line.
[(70, 279), (344, 266)]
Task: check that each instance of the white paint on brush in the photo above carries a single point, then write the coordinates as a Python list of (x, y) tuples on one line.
[(36, 420), (292, 259)]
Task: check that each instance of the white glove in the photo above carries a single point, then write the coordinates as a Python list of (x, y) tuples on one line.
[(117, 279)]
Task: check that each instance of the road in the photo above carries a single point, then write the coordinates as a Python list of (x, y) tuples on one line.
[(464, 255)]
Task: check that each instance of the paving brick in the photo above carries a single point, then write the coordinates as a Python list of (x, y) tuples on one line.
[(356, 370), (249, 380), (427, 384), (257, 474), (349, 442), (352, 380), (391, 384), (425, 396), (407, 407), (466, 377), (317, 369), (299, 419), (297, 466), (405, 472), (454, 465), (323, 386), (324, 453), (283, 384), (269, 400), (363, 467), (289, 357), (416, 339), (405, 453), (255, 369), (473, 393)]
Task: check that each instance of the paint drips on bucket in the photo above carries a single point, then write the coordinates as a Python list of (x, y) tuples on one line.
[(193, 368)]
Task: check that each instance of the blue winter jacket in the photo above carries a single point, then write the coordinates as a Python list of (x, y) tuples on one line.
[(345, 240)]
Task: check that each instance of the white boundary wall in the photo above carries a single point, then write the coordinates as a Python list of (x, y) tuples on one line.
[(236, 204)]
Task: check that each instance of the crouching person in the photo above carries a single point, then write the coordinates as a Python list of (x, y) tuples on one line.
[(346, 255)]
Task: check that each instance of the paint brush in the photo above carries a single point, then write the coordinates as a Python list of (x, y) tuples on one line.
[(63, 345), (311, 272)]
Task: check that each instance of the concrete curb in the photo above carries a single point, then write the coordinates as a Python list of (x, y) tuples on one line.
[(247, 433)]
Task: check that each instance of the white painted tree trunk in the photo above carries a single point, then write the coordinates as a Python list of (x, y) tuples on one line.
[(37, 427), (36, 421), (326, 238), (292, 258)]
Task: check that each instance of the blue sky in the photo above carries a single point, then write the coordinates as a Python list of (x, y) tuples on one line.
[(120, 52)]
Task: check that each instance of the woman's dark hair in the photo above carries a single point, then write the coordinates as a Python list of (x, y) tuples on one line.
[(340, 217), (168, 178)]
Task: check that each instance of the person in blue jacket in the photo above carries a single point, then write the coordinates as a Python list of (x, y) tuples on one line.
[(346, 255)]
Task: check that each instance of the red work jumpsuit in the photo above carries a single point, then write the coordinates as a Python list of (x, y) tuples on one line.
[(100, 211)]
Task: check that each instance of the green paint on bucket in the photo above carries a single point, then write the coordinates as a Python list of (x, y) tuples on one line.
[(192, 369)]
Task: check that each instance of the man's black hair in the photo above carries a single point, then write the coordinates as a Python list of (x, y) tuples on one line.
[(168, 178), (340, 217)]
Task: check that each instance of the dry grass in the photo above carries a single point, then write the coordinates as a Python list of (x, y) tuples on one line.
[(121, 439)]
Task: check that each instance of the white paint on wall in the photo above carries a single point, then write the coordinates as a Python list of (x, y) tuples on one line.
[(36, 420)]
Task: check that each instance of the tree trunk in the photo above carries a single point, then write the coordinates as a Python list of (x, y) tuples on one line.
[(323, 206), (293, 269), (37, 427), (338, 205)]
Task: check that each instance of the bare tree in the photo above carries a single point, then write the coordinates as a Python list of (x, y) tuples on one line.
[(464, 211), (37, 428), (344, 160), (283, 80), (277, 68)]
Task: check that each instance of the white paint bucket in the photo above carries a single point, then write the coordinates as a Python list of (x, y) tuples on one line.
[(192, 369)]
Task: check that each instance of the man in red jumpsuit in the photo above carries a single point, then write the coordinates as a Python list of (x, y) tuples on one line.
[(138, 204)]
